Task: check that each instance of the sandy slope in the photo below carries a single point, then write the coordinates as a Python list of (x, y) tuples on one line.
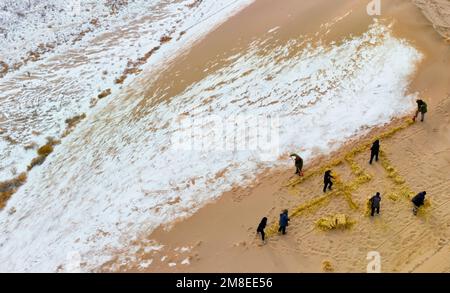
[(438, 12), (221, 236)]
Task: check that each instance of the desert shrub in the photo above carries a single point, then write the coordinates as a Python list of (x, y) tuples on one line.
[(9, 187), (71, 123), (327, 266), (36, 162), (45, 150), (104, 94), (3, 68), (165, 39), (22, 178), (194, 4), (120, 79), (115, 5), (4, 197)]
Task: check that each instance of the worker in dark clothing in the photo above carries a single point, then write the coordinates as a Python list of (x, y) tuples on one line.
[(261, 228), (418, 201), (375, 151), (327, 181), (422, 109), (298, 164), (284, 221), (375, 204)]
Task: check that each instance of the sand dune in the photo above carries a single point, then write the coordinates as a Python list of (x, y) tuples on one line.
[(221, 237), (438, 12), (118, 193)]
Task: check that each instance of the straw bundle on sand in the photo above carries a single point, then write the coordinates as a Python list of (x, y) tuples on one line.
[(339, 221)]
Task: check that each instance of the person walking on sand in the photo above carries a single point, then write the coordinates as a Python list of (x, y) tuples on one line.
[(262, 225), (422, 109), (327, 183), (418, 201), (375, 204), (284, 222), (374, 151), (298, 164)]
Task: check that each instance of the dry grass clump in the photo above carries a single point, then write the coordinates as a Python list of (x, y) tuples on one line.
[(72, 122), (327, 266), (165, 39), (36, 162), (31, 56), (147, 55), (3, 68), (133, 66), (104, 94), (45, 150), (81, 35), (194, 4), (115, 5), (339, 221), (94, 22), (9, 187), (120, 79), (43, 153)]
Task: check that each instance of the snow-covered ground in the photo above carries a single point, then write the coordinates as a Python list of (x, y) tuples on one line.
[(118, 176), (36, 99)]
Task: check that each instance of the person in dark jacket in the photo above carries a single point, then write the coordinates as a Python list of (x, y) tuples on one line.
[(298, 164), (327, 181), (284, 221), (374, 151), (262, 225), (418, 201), (375, 204), (422, 109)]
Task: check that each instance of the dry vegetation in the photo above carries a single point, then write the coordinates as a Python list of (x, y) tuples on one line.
[(334, 222), (31, 56), (165, 39), (103, 94), (194, 4), (133, 66), (115, 5), (3, 68), (327, 266), (80, 36), (9, 187), (71, 123), (43, 153)]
